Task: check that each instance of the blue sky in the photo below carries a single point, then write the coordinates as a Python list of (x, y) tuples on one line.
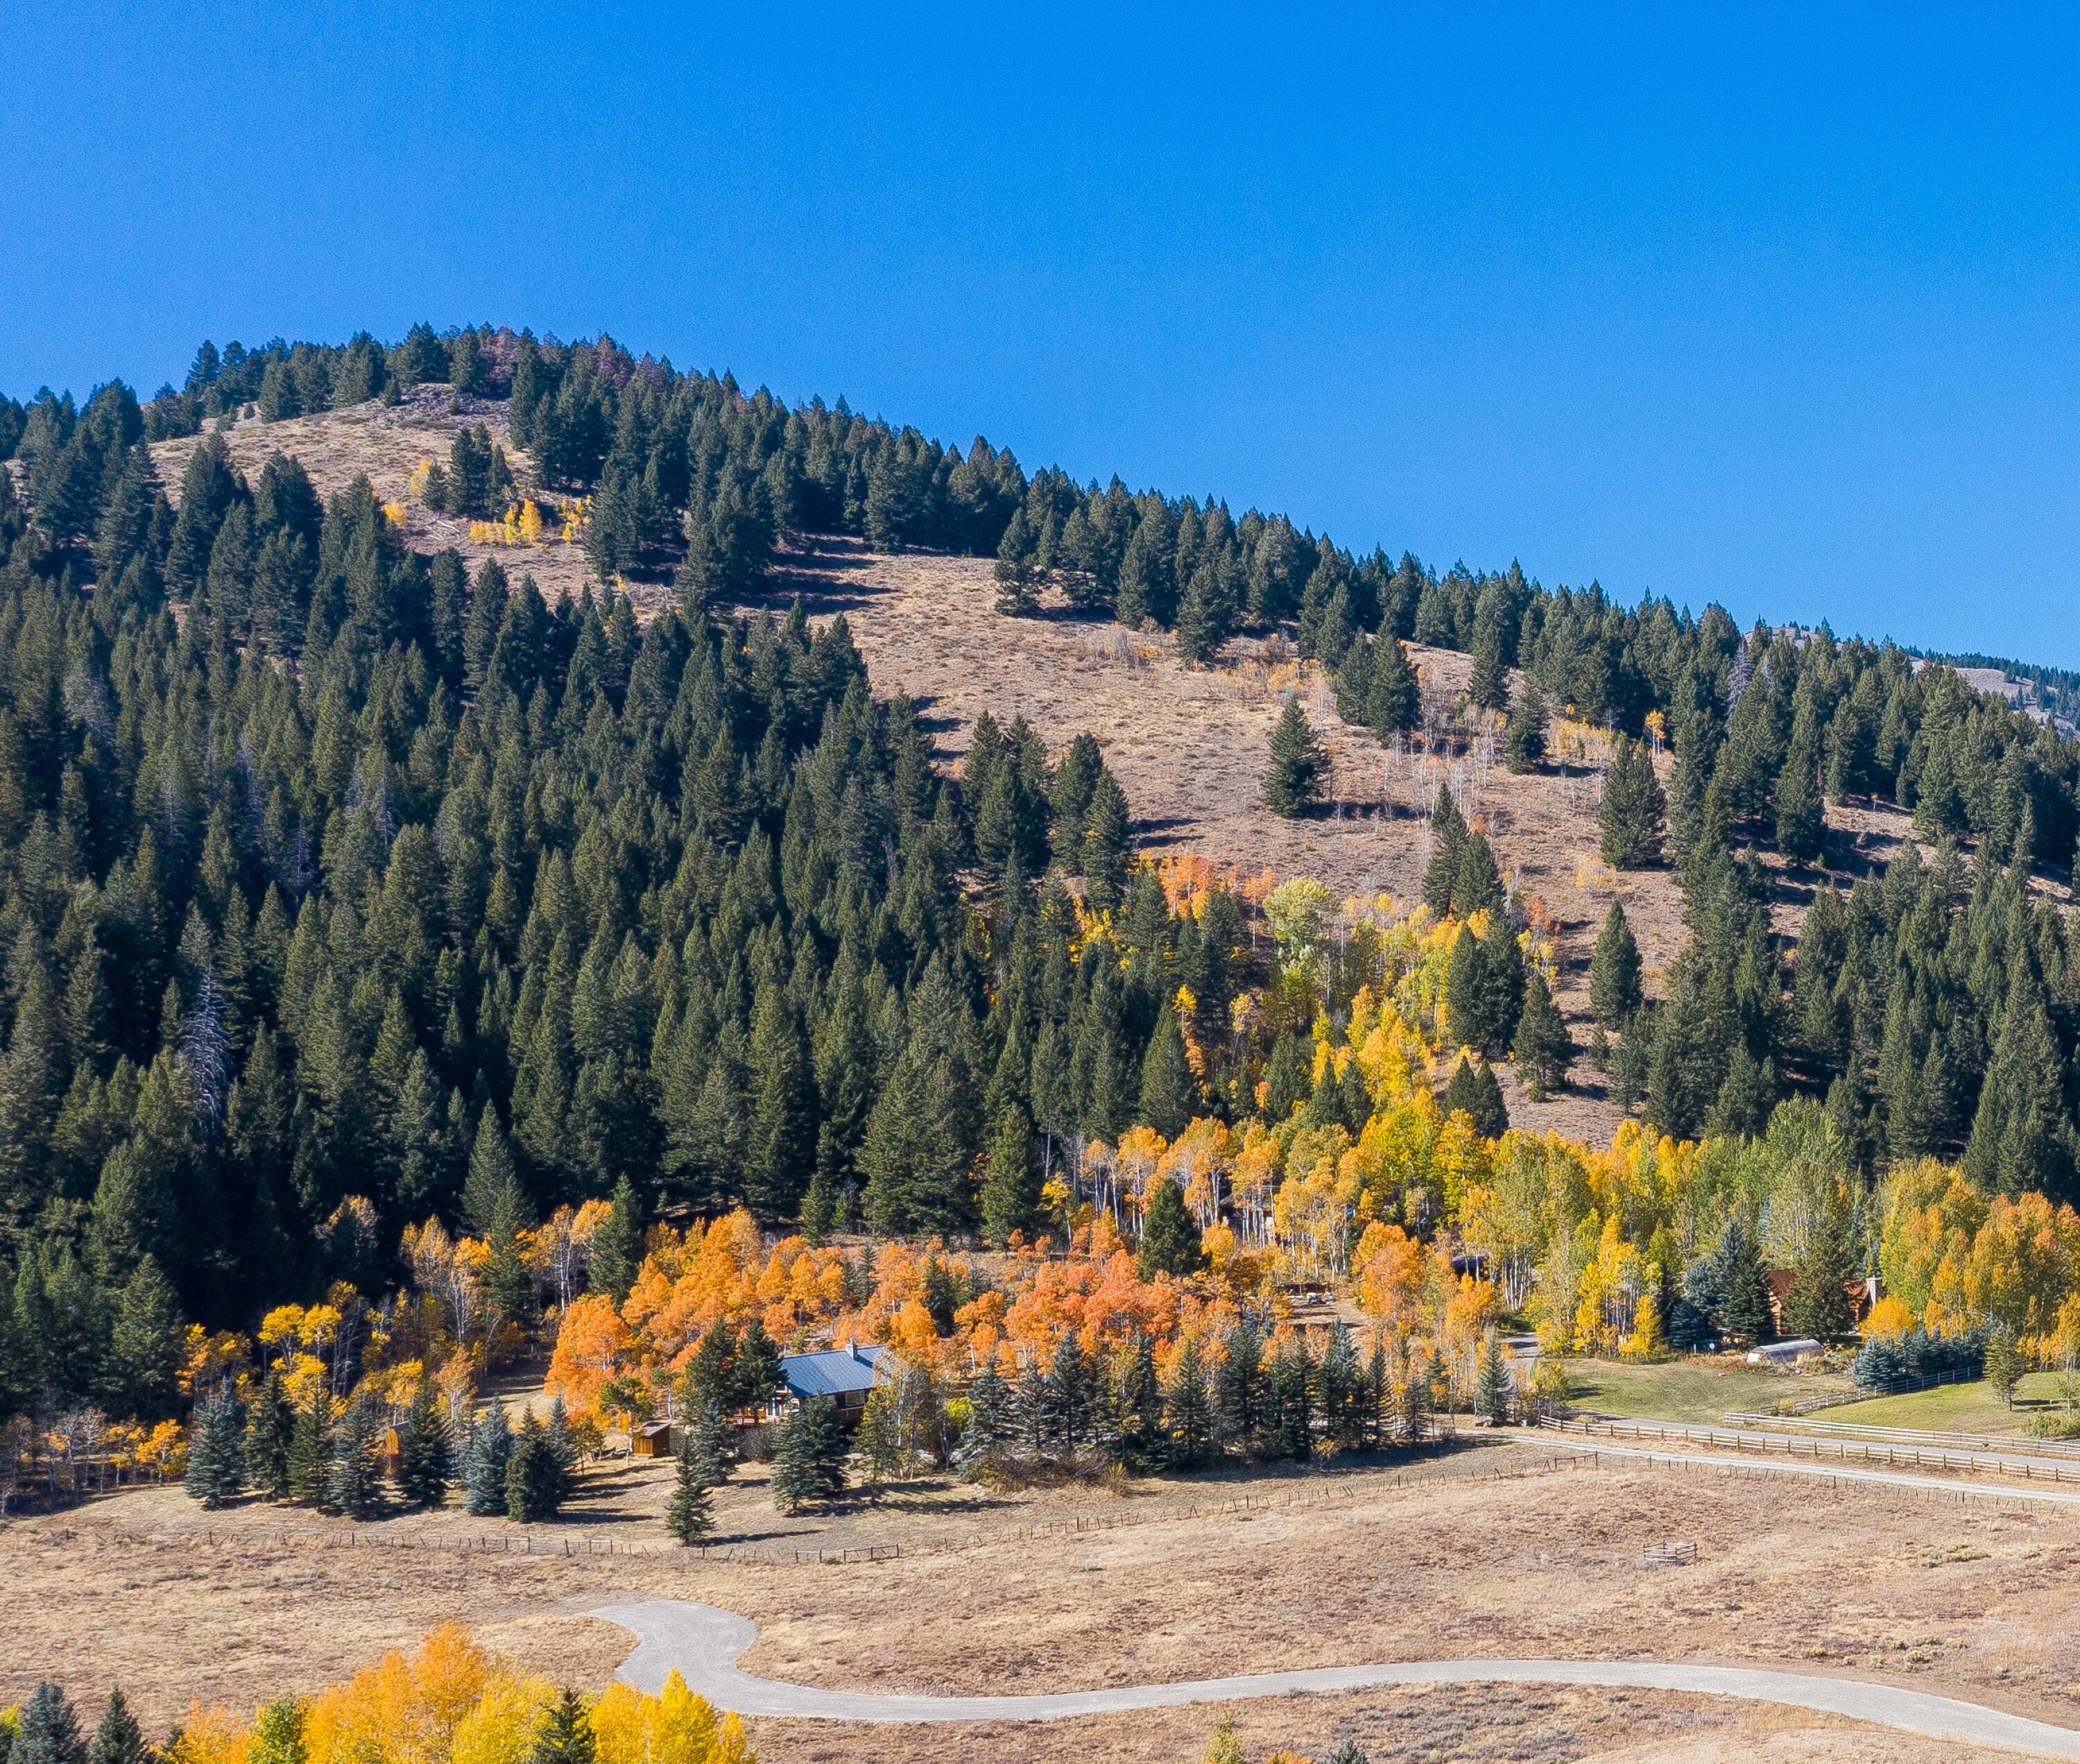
[(1775, 307)]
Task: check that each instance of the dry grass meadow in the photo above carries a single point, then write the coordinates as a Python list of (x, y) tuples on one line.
[(1498, 1549)]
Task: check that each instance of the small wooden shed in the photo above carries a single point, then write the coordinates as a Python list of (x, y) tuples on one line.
[(651, 1439)]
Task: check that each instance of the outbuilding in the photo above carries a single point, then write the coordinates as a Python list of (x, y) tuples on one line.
[(651, 1439), (1785, 1353)]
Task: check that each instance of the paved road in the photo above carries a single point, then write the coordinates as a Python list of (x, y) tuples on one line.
[(1835, 1472), (703, 1644)]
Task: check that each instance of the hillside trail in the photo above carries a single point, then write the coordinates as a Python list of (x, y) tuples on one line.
[(703, 1643)]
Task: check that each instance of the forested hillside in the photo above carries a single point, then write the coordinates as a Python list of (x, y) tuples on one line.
[(342, 884)]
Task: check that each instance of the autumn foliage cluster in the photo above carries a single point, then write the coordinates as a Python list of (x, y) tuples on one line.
[(447, 1702)]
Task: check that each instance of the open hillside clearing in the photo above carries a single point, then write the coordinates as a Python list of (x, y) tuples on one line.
[(1970, 1601), (1188, 745)]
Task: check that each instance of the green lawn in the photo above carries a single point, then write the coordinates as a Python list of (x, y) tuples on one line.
[(1972, 1408), (1696, 1390)]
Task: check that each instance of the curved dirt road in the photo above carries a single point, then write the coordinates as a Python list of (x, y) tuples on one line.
[(702, 1644)]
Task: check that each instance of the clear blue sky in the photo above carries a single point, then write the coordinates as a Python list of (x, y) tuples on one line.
[(1777, 307)]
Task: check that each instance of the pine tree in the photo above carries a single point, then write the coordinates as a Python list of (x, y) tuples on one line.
[(1523, 740), (1493, 1387), (1106, 848), (1016, 580), (1169, 1088), (714, 1442), (809, 1460), (1239, 1403), (117, 1739), (424, 1456), (1474, 1092), (1339, 1383), (1741, 1289), (310, 1450), (1205, 615), (1293, 781), (145, 1344), (988, 1423), (1448, 836), (533, 1476), (565, 1736), (1169, 1234), (1187, 1409), (484, 1461), (1614, 987), (1489, 687), (271, 1428), (781, 1148), (216, 1464), (1011, 1185), (691, 1515), (617, 1246), (1393, 700), (46, 1729), (1802, 824), (1631, 816), (1476, 884), (1543, 1048), (1817, 1303), (353, 1477), (2003, 1363)]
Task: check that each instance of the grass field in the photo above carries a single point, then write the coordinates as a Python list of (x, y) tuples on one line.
[(1970, 1408), (1446, 1558), (1697, 1390)]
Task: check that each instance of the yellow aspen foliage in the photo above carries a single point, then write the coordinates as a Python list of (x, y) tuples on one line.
[(208, 1356), (1888, 1319), (1647, 1340), (1460, 1162), (501, 1726), (402, 1710), (530, 523), (421, 474), (1393, 1278), (210, 1736), (394, 513), (674, 1726), (1927, 1211)]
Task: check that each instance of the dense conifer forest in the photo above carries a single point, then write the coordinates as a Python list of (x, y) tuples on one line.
[(339, 886)]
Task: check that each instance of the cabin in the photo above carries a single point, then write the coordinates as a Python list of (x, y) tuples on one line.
[(651, 1439), (845, 1375)]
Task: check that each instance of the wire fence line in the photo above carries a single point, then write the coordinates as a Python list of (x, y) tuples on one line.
[(1873, 1453)]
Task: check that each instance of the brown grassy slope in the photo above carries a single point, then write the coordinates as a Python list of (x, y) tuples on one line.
[(1860, 1580), (1188, 745), (385, 443)]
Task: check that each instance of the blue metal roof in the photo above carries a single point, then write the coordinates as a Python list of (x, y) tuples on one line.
[(834, 1371)]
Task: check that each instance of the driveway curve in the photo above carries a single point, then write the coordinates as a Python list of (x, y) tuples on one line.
[(702, 1644)]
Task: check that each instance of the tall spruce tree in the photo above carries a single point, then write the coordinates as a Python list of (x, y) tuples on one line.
[(1614, 970), (1293, 781), (1630, 819)]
